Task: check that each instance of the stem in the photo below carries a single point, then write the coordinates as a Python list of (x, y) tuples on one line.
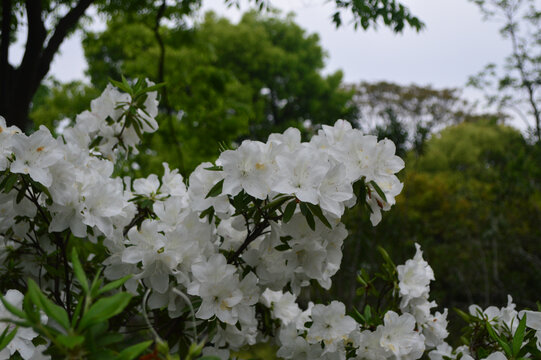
[(67, 284), (249, 239)]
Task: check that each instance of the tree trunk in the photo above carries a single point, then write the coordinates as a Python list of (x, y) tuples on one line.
[(18, 86), (15, 100)]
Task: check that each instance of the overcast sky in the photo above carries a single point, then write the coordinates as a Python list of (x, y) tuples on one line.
[(455, 44)]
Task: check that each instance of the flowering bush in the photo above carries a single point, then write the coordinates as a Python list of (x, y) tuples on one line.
[(206, 266)]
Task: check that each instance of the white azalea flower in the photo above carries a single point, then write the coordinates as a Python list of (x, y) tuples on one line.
[(414, 277)]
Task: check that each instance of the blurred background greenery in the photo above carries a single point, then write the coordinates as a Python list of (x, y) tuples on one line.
[(472, 185)]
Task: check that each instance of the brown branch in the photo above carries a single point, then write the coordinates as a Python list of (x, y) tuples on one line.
[(34, 39), (64, 26), (5, 35), (249, 239)]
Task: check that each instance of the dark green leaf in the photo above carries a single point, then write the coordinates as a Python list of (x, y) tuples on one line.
[(519, 336), (12, 309), (114, 284), (78, 270), (495, 336), (215, 168), (70, 341), (282, 247), (289, 211), (52, 310), (378, 190), (133, 351), (10, 182), (104, 309), (316, 210), (308, 215), (121, 85), (216, 189), (6, 337)]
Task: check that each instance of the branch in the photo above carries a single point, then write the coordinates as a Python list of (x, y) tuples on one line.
[(526, 83), (249, 239), (34, 40), (64, 26), (5, 35)]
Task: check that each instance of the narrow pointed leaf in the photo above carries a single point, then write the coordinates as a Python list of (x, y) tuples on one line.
[(308, 215), (78, 270), (6, 337), (104, 309), (51, 309), (216, 189), (316, 210), (132, 352), (114, 284)]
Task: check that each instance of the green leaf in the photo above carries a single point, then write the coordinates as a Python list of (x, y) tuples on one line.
[(466, 317), (77, 311), (20, 195), (10, 182), (378, 190), (215, 168), (6, 338), (104, 309), (96, 283), (12, 309), (70, 341), (386, 256), (216, 189), (308, 215), (282, 247), (495, 336), (133, 351), (124, 86), (208, 212), (356, 315), (52, 310), (154, 87), (78, 270), (289, 211), (114, 284), (519, 336), (316, 210), (276, 203)]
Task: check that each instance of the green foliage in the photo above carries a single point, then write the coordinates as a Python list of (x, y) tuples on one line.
[(86, 332)]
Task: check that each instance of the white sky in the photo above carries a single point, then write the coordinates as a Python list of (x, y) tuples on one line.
[(455, 44)]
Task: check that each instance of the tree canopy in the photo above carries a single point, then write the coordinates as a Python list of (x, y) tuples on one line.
[(49, 23)]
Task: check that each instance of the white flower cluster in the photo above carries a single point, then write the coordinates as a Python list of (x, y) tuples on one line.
[(319, 172), (203, 241), (414, 283), (178, 248), (325, 332)]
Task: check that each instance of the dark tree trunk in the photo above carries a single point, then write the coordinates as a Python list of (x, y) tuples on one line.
[(18, 86)]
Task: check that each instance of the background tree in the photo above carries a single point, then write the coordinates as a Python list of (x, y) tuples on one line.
[(225, 81), (408, 114), (473, 201), (516, 86)]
